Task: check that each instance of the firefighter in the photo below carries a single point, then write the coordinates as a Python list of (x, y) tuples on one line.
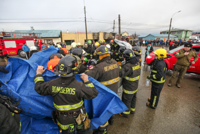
[(115, 49), (91, 49), (157, 77), (81, 54), (73, 45), (130, 73), (68, 95), (87, 50), (9, 117), (119, 55), (91, 63), (53, 63), (95, 56), (182, 64), (138, 53), (106, 72)]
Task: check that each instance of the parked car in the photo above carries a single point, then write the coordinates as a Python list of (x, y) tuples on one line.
[(171, 60)]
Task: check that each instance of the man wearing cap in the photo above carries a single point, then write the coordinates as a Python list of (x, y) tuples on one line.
[(172, 46), (182, 64)]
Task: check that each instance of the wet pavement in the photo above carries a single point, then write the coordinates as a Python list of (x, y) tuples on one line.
[(178, 110)]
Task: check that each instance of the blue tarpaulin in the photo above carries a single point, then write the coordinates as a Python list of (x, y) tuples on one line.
[(36, 117)]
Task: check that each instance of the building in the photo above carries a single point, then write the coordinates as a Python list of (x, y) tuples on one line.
[(157, 37), (46, 35), (197, 34), (182, 34), (125, 34), (79, 37)]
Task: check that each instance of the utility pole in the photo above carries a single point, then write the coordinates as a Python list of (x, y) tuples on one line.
[(113, 26), (169, 28), (85, 23), (171, 23), (119, 27)]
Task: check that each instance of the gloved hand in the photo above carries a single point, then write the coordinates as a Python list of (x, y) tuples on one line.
[(148, 77)]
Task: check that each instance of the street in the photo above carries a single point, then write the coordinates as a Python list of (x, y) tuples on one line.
[(178, 110)]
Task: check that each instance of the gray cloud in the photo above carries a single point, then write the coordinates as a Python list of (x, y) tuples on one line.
[(142, 17)]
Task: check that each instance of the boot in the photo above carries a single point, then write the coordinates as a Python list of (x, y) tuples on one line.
[(149, 99), (111, 120), (124, 115), (177, 85), (169, 85), (148, 105), (104, 131), (132, 112)]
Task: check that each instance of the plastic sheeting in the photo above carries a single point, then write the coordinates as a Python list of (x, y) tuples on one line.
[(36, 117), (123, 43)]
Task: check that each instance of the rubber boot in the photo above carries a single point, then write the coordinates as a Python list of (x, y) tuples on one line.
[(111, 120)]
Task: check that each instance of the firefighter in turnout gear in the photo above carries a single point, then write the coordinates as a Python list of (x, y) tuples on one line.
[(115, 49), (138, 53), (9, 116), (119, 56), (130, 73), (68, 95), (157, 77), (95, 56), (106, 72), (81, 54), (182, 63)]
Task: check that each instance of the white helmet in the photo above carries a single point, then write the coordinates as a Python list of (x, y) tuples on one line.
[(79, 44), (108, 46), (73, 45)]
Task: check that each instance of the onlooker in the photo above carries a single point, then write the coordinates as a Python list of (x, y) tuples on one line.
[(172, 46), (43, 46), (149, 49), (26, 49)]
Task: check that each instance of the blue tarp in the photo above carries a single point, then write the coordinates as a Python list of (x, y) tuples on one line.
[(36, 117)]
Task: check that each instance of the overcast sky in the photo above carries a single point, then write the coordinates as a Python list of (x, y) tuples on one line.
[(140, 16)]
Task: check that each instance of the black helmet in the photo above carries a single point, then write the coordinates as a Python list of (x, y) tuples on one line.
[(92, 62), (79, 52), (58, 55), (128, 54), (67, 66), (102, 50), (122, 49), (188, 44), (136, 50)]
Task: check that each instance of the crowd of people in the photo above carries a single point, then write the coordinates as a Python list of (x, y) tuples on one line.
[(106, 63)]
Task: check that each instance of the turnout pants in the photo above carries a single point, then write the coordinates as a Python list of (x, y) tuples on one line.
[(178, 69), (130, 101), (155, 93)]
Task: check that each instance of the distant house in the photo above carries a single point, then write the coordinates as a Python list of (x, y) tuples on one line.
[(125, 34), (46, 35), (157, 37), (182, 34)]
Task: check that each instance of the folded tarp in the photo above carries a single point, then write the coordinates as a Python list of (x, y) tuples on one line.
[(36, 117)]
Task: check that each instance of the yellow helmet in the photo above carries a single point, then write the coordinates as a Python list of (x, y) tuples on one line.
[(97, 44), (161, 53)]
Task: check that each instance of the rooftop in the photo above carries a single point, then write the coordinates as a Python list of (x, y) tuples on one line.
[(44, 33), (176, 29), (156, 35)]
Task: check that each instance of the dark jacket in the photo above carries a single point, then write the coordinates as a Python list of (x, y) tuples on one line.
[(8, 123), (106, 72), (172, 47), (82, 69), (130, 73), (68, 96), (90, 50), (158, 71)]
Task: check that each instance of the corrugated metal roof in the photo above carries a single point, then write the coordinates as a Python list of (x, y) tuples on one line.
[(141, 36), (44, 33), (156, 35), (162, 35), (176, 29)]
